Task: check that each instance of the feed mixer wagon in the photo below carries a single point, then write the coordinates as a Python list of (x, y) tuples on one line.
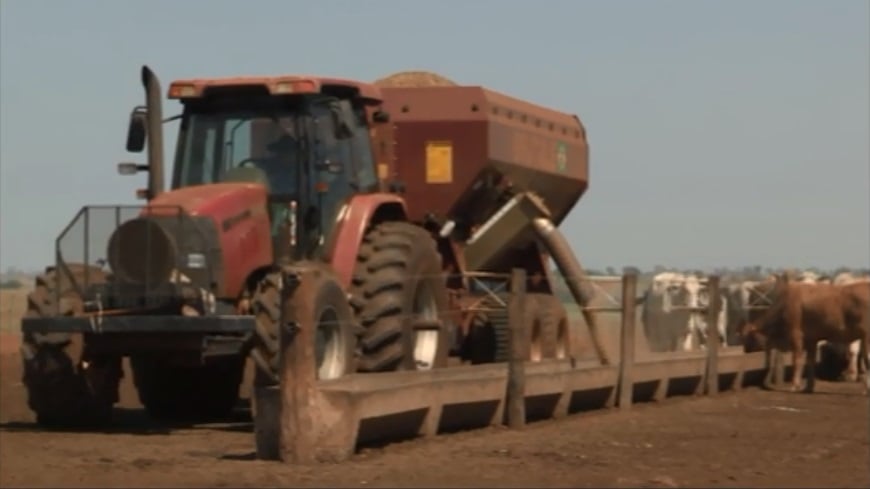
[(409, 203)]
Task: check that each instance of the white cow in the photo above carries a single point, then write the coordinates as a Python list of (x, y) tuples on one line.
[(667, 324), (699, 296), (848, 278)]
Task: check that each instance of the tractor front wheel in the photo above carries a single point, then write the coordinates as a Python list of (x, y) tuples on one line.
[(66, 387)]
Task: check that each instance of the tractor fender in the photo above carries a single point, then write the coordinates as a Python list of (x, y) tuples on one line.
[(352, 222)]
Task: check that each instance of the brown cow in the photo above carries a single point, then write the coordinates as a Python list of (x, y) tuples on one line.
[(803, 314)]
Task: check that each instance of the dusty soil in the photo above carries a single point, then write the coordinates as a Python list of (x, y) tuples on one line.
[(753, 438)]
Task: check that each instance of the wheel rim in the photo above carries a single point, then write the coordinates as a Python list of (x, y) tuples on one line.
[(329, 345), (425, 341)]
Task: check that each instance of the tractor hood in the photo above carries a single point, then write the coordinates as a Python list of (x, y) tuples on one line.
[(213, 235), (220, 201)]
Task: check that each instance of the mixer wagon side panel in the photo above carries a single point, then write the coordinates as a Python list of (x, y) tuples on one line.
[(439, 144), (539, 150), (436, 161)]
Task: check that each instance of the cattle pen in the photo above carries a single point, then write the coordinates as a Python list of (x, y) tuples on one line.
[(304, 420)]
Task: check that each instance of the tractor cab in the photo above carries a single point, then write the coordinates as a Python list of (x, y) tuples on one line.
[(306, 140)]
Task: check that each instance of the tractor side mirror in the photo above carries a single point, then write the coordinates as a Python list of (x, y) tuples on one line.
[(136, 131), (380, 117)]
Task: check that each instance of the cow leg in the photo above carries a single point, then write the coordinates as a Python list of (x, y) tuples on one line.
[(810, 356), (866, 357), (687, 339), (771, 357), (799, 360), (853, 353)]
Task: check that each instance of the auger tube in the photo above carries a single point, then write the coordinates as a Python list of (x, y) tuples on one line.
[(574, 275)]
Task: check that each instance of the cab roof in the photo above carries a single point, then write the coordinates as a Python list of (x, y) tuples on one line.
[(276, 85)]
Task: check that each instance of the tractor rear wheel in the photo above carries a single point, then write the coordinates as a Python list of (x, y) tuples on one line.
[(183, 393), (66, 387), (399, 294), (335, 339)]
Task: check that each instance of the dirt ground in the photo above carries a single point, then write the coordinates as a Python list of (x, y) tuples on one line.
[(751, 439)]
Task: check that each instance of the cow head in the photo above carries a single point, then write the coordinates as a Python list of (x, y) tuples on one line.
[(750, 301), (751, 337)]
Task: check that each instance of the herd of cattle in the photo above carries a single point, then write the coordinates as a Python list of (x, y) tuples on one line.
[(814, 317)]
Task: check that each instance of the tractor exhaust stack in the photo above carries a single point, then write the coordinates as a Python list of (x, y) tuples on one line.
[(154, 131)]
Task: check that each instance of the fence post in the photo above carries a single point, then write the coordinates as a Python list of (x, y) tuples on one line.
[(713, 339), (298, 368), (626, 338), (515, 399)]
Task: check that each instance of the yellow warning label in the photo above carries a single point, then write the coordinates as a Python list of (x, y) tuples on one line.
[(439, 162), (383, 171)]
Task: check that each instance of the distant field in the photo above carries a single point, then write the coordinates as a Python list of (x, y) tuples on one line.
[(13, 303)]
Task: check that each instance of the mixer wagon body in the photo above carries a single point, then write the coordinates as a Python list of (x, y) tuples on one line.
[(492, 176), (451, 143)]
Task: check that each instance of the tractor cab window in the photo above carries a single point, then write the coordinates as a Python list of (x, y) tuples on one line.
[(225, 145)]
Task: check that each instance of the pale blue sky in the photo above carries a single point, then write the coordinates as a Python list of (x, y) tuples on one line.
[(721, 132)]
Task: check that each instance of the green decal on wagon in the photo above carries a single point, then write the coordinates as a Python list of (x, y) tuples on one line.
[(561, 156)]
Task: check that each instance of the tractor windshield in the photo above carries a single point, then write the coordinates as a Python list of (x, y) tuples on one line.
[(226, 144)]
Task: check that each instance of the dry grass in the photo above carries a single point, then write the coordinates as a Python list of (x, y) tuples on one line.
[(415, 79)]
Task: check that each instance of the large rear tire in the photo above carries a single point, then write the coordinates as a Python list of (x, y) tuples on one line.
[(182, 393), (336, 327), (399, 294), (66, 387)]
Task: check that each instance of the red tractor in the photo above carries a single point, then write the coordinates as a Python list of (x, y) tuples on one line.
[(278, 173)]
